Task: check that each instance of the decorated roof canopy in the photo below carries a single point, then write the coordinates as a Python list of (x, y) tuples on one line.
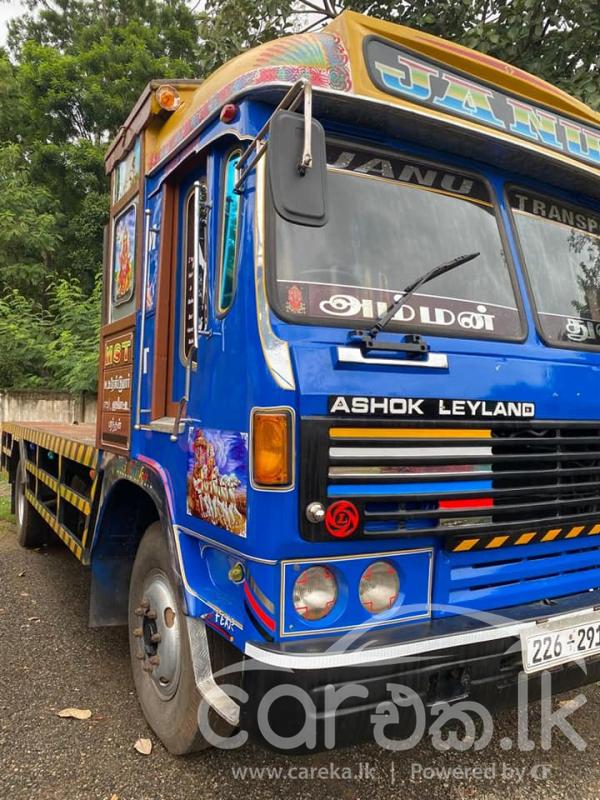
[(414, 85)]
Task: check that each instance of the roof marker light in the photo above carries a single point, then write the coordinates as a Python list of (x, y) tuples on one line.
[(228, 113), (167, 97)]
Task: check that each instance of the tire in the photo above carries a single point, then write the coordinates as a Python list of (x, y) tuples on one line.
[(166, 690), (32, 531)]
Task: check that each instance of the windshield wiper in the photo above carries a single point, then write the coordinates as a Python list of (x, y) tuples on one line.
[(413, 342)]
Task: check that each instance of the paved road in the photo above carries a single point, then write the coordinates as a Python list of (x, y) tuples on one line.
[(58, 661)]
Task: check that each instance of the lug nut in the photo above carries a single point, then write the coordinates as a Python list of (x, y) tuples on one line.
[(154, 660), (155, 638), (138, 632), (148, 668), (139, 612), (145, 604), (151, 614)]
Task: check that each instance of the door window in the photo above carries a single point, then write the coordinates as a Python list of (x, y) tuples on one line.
[(229, 240)]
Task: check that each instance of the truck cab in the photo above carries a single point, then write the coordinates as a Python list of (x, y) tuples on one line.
[(298, 488)]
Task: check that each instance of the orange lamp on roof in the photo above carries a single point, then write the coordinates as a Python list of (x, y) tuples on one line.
[(167, 97)]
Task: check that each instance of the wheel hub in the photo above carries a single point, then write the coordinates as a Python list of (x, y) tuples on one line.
[(158, 635)]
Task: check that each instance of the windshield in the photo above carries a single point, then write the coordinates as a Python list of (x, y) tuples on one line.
[(391, 219), (561, 249)]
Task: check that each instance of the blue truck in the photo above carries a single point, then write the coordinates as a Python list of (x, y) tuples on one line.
[(348, 422)]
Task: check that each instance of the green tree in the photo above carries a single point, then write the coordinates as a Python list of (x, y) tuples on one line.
[(71, 352), (54, 347), (29, 225), (83, 64), (24, 337), (71, 73)]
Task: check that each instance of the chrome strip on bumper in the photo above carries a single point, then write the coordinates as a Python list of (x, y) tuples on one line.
[(485, 626)]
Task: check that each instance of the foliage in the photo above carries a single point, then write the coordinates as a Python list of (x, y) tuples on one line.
[(53, 348), (72, 350), (228, 27), (71, 73), (29, 217), (24, 337)]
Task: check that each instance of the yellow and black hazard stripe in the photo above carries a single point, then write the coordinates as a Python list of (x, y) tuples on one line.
[(85, 454), (465, 544), (75, 499), (58, 529), (43, 476)]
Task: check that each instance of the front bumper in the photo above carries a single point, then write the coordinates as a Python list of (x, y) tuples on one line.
[(465, 627), (443, 661)]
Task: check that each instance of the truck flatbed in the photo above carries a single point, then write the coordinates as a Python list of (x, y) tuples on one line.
[(59, 469), (83, 433)]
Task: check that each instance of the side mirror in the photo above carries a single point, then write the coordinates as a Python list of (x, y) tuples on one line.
[(299, 195)]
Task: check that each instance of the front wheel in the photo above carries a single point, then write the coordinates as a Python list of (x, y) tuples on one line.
[(160, 650)]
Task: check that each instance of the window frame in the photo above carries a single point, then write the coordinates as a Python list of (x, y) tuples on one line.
[(427, 330), (221, 311), (560, 198), (183, 356)]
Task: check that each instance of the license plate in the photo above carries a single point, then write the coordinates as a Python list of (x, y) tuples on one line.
[(561, 641)]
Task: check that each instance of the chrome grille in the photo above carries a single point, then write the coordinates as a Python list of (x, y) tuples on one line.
[(456, 480)]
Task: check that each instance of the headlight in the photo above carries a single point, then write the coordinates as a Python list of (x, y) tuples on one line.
[(379, 587), (315, 593)]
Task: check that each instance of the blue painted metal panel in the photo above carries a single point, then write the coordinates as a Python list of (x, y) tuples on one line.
[(232, 378)]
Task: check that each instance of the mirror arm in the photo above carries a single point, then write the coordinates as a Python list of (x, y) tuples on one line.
[(302, 89), (307, 160)]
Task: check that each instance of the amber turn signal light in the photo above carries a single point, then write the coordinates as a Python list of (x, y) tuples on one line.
[(271, 448)]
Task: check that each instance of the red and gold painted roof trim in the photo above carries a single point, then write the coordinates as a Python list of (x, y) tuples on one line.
[(334, 60)]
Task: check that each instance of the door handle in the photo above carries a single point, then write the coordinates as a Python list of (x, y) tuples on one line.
[(182, 408)]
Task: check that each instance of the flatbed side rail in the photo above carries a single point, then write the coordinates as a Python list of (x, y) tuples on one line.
[(62, 479)]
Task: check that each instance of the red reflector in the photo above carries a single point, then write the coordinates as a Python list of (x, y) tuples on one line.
[(228, 112), (480, 502)]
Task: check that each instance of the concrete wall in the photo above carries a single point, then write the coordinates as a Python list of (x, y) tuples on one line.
[(42, 406)]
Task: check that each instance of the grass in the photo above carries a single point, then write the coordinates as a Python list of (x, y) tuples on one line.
[(5, 514)]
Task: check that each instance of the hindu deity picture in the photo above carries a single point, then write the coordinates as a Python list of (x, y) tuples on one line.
[(124, 257), (218, 478), (127, 172)]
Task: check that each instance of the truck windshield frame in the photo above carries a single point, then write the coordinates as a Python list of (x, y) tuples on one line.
[(358, 302), (551, 213)]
